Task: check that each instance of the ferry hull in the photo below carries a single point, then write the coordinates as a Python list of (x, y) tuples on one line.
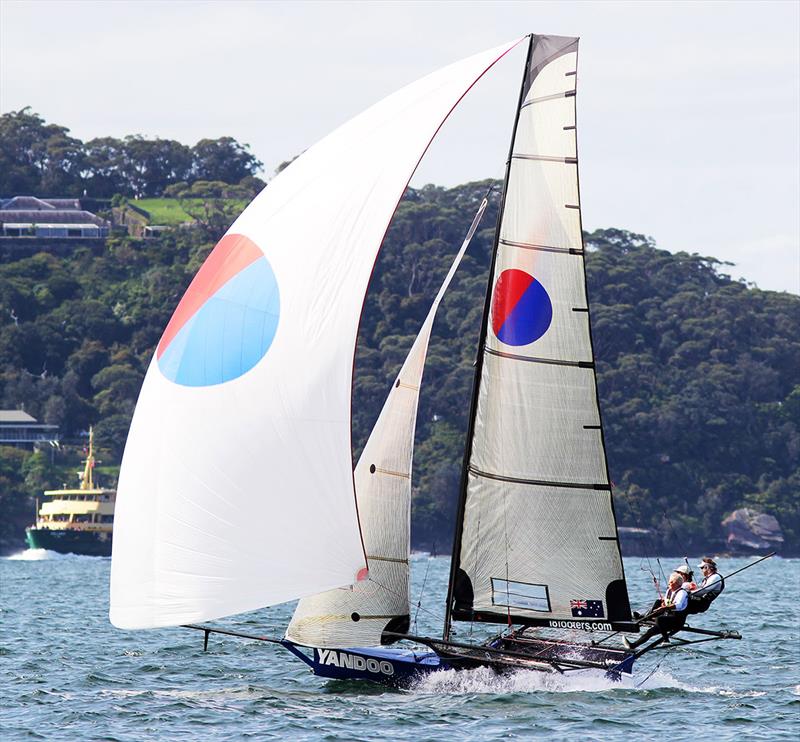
[(69, 541)]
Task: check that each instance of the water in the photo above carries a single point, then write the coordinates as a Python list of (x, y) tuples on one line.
[(66, 673)]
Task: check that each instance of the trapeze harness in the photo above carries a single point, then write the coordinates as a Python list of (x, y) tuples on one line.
[(701, 603)]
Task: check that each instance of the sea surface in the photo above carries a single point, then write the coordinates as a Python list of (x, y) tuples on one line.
[(67, 674)]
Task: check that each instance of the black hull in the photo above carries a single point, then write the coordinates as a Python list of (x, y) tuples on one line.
[(69, 541)]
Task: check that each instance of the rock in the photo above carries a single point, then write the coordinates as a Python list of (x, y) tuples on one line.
[(748, 529)]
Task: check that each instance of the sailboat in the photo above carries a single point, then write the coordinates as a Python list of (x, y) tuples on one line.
[(237, 489)]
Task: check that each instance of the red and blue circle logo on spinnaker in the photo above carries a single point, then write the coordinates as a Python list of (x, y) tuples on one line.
[(226, 320), (521, 308)]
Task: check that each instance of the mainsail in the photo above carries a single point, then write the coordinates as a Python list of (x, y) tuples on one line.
[(536, 538), (358, 615), (239, 450)]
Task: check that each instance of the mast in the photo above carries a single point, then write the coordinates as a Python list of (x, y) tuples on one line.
[(479, 359), (536, 540), (87, 480)]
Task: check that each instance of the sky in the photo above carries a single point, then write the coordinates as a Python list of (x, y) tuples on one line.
[(688, 112)]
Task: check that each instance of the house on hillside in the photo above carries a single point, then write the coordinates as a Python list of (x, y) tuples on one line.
[(61, 218), (18, 428)]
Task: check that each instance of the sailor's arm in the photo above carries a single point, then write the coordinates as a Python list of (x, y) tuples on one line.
[(713, 585)]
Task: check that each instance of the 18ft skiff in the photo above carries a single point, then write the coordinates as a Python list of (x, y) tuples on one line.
[(246, 411)]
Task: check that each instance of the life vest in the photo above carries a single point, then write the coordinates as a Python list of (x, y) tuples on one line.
[(669, 599), (701, 603)]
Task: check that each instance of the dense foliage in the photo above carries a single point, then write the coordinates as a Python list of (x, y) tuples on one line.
[(37, 158), (698, 374)]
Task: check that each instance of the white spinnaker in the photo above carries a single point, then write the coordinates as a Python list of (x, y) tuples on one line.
[(538, 532), (240, 495), (356, 616)]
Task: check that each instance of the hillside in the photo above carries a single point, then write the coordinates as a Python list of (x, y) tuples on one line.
[(699, 375)]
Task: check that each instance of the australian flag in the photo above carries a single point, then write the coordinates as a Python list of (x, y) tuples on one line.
[(587, 608)]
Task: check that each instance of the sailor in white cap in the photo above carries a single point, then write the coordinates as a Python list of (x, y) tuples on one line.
[(688, 577), (712, 583)]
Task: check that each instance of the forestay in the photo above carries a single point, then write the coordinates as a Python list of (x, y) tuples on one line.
[(236, 489), (357, 616), (537, 538)]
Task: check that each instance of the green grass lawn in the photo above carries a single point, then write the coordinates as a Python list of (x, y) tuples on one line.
[(166, 212)]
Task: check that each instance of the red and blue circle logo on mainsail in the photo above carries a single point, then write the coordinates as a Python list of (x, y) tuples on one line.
[(521, 308), (226, 320)]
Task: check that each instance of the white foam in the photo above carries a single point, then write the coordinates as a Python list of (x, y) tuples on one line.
[(34, 555), (38, 555), (662, 679), (485, 680)]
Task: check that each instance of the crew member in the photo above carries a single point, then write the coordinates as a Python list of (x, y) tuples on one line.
[(688, 585), (701, 598), (688, 577), (672, 613)]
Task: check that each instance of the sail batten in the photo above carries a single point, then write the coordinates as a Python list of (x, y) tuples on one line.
[(532, 539)]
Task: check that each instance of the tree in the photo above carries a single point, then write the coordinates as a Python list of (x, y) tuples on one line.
[(38, 158), (150, 165), (106, 162), (213, 204), (223, 159)]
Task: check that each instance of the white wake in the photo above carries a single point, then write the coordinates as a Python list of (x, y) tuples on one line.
[(38, 555)]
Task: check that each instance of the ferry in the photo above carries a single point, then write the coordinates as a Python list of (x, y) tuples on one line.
[(76, 521)]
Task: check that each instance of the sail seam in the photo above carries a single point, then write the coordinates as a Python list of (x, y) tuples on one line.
[(533, 359), (540, 482), (544, 248)]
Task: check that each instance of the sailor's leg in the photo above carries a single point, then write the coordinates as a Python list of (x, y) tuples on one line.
[(649, 634), (670, 624)]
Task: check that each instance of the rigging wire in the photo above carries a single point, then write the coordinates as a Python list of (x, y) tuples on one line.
[(455, 556), (424, 582), (477, 540), (505, 530), (436, 616), (651, 673), (635, 517), (678, 539)]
